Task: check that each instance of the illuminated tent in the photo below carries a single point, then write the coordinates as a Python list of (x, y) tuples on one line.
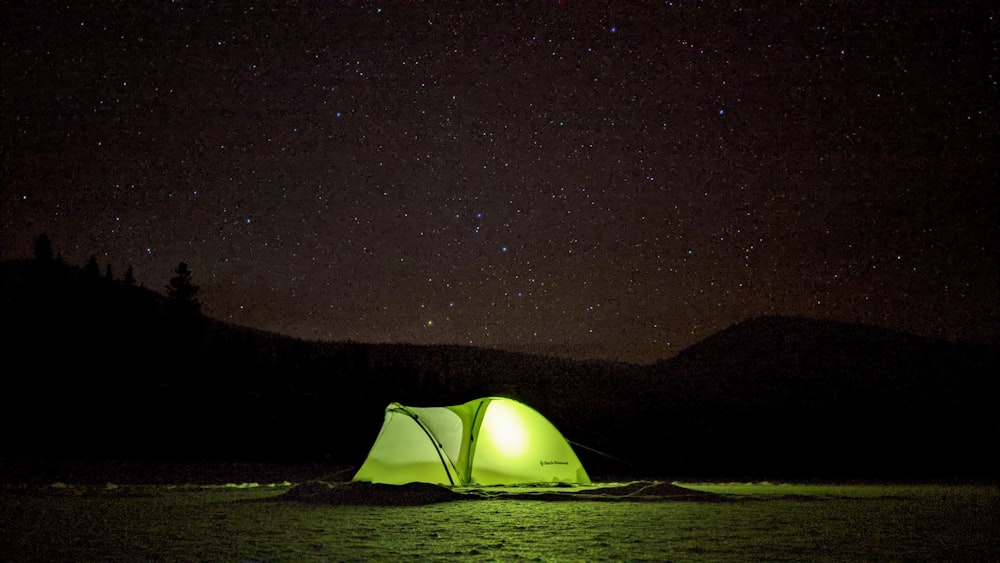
[(490, 441)]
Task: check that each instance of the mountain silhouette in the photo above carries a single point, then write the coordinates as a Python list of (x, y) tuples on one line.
[(97, 368)]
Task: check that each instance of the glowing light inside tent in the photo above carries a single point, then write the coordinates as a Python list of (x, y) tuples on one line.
[(507, 431)]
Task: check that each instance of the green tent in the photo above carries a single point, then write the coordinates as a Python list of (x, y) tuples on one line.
[(490, 441)]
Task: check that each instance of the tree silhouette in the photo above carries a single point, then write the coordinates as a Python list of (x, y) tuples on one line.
[(91, 270), (43, 249), (182, 292), (129, 280)]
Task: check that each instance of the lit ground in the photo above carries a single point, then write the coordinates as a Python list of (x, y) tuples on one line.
[(282, 521)]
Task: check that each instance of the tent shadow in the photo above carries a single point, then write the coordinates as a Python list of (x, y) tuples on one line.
[(418, 494), (372, 494)]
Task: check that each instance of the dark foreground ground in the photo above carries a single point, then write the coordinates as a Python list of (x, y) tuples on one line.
[(276, 522), (250, 512)]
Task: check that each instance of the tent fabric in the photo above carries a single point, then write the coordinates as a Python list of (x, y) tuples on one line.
[(488, 441)]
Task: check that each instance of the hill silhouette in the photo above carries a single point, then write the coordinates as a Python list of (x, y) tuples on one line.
[(794, 396), (97, 368)]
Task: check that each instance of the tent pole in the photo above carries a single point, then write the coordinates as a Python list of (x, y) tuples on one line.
[(434, 441)]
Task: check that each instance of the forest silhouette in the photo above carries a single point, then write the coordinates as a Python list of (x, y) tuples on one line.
[(100, 368)]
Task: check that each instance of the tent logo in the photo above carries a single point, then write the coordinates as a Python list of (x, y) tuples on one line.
[(543, 463)]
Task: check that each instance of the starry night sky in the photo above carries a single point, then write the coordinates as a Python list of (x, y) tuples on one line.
[(590, 179)]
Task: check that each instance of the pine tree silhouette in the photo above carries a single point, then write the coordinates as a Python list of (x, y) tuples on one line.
[(43, 249), (91, 270), (182, 292)]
